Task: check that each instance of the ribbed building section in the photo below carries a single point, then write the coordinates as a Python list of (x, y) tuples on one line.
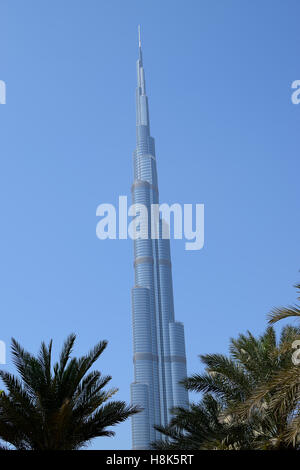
[(158, 340)]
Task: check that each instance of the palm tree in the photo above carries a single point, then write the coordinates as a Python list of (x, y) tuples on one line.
[(62, 407), (200, 427), (285, 312), (227, 382), (283, 386)]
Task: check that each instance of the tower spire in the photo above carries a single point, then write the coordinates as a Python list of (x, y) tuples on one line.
[(142, 112), (139, 31), (140, 45)]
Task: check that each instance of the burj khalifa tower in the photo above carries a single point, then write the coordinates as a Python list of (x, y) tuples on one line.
[(158, 340)]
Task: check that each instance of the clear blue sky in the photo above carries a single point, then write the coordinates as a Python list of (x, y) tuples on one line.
[(219, 77)]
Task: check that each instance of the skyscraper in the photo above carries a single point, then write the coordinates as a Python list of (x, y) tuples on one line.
[(158, 340)]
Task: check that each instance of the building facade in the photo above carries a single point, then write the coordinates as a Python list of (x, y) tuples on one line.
[(158, 340)]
